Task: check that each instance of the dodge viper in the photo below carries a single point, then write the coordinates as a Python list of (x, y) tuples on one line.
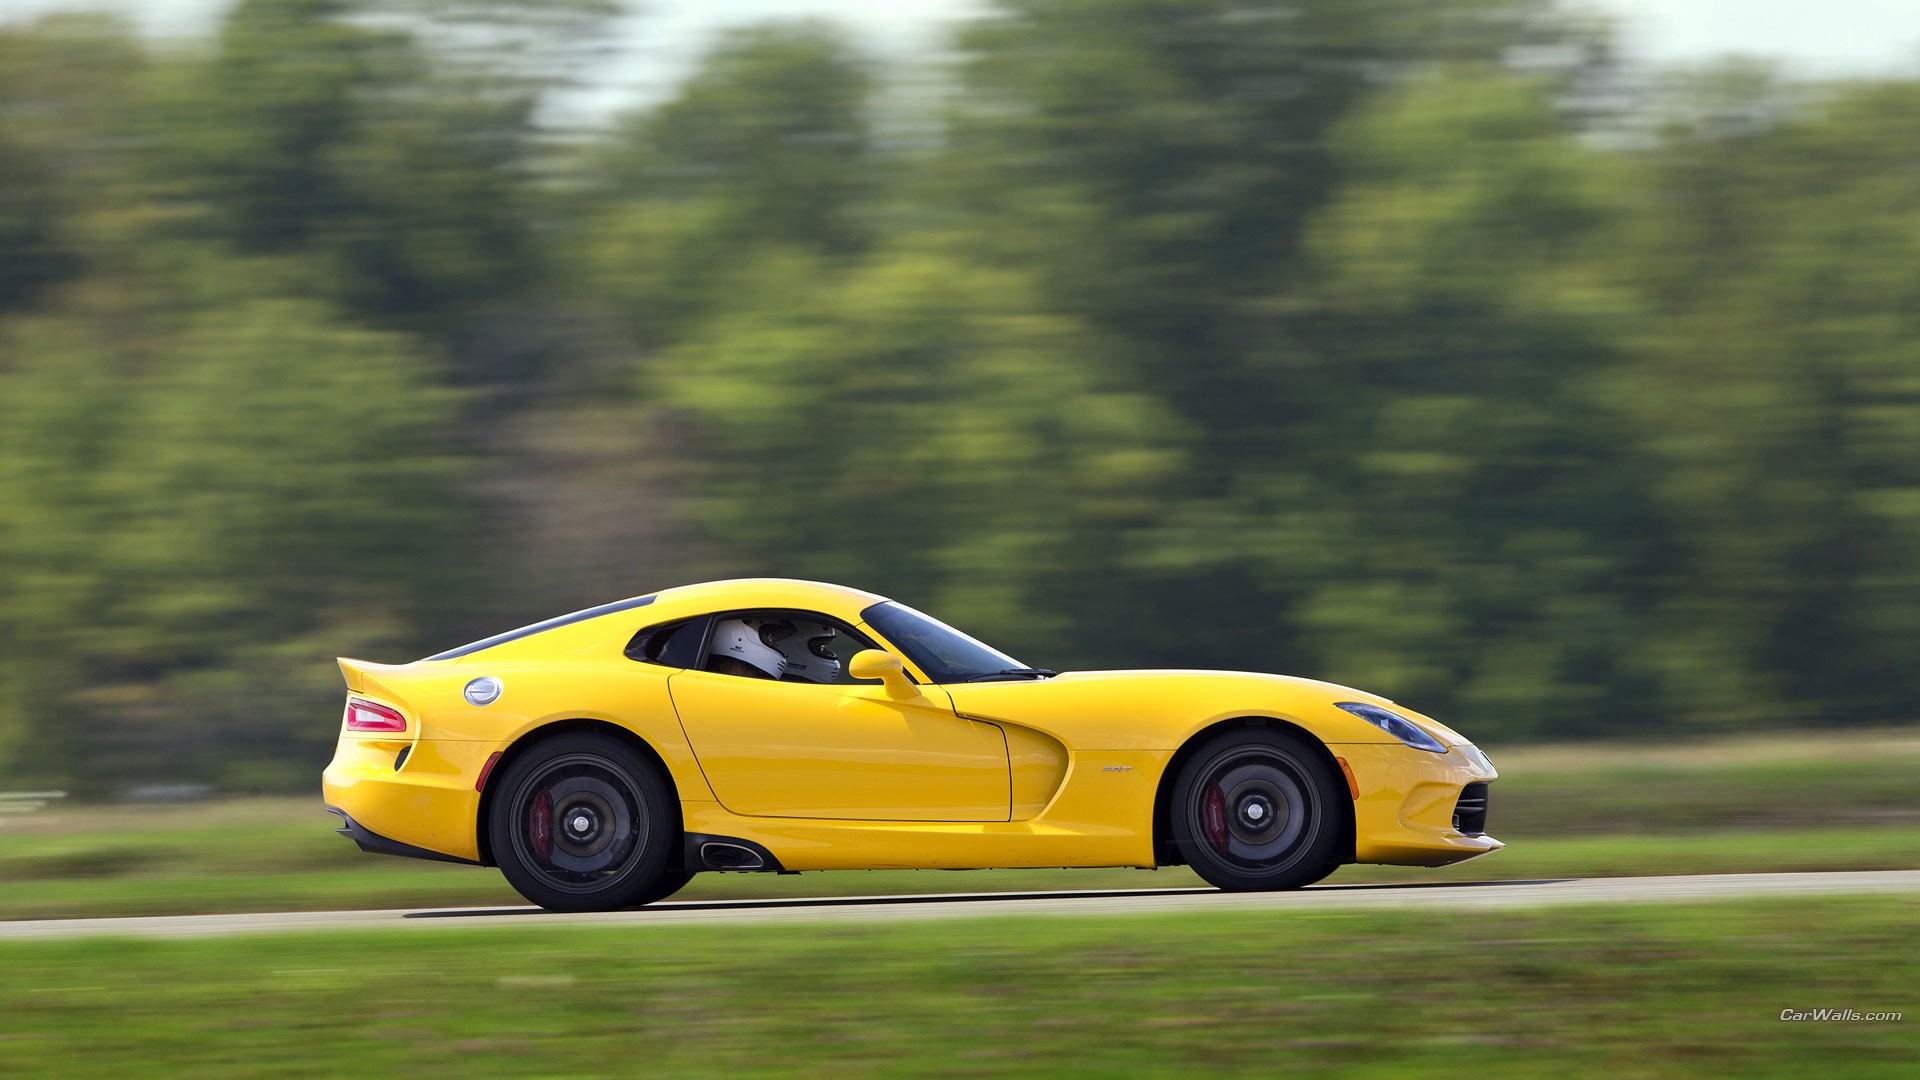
[(601, 759)]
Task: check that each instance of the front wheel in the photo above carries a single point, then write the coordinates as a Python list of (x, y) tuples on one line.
[(584, 823), (1257, 810)]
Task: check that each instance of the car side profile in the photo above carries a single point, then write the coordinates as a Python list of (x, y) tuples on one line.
[(602, 758)]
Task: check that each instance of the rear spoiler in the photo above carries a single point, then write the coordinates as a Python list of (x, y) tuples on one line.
[(366, 677)]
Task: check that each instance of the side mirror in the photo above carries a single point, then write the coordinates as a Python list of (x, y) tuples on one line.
[(878, 664)]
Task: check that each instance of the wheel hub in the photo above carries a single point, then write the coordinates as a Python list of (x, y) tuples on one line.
[(1253, 810), (583, 823)]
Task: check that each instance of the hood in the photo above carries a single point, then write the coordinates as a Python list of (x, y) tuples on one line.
[(1118, 710), (1294, 682), (1249, 683)]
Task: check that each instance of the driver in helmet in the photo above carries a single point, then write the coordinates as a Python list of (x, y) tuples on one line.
[(749, 648), (810, 656)]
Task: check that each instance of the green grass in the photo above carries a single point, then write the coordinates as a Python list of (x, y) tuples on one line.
[(1784, 802), (1680, 990), (1678, 793)]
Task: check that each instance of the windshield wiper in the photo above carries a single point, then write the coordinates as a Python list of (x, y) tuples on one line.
[(1014, 673)]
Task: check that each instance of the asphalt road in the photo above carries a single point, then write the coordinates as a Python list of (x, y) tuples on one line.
[(1451, 895)]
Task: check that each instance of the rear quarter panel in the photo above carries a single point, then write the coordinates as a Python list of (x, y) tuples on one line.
[(432, 801), (537, 693)]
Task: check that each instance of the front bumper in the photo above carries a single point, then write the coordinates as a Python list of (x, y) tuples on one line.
[(1408, 811)]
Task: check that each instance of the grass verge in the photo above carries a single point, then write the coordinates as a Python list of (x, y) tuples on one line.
[(1682, 990)]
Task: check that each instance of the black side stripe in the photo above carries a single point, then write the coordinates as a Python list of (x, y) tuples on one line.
[(541, 627)]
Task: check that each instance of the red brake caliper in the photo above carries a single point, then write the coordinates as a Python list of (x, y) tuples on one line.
[(540, 825), (1213, 819)]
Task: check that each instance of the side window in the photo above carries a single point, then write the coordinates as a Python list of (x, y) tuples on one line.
[(674, 644), (791, 646)]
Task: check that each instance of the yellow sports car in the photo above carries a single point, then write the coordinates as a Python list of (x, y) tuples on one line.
[(602, 758)]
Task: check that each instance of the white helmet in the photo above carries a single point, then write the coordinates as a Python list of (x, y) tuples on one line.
[(810, 654), (751, 643)]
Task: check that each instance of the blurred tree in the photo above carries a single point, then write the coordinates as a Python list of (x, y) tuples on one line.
[(764, 148), (1159, 160), (1780, 395), (360, 137), (761, 156), (206, 488), (1358, 338), (64, 85), (1159, 165), (915, 427), (279, 103), (1500, 546), (514, 50)]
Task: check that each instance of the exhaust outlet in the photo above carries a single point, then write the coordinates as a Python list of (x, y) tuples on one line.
[(720, 856)]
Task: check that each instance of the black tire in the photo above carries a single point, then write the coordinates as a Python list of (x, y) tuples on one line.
[(667, 884), (1256, 810), (584, 823), (1332, 864)]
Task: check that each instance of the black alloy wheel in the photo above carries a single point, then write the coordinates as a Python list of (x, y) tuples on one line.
[(584, 823), (1256, 809)]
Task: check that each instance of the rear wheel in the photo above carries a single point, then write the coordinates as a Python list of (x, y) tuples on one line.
[(584, 823), (1256, 809), (666, 885)]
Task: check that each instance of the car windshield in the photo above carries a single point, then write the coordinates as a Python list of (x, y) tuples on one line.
[(945, 654)]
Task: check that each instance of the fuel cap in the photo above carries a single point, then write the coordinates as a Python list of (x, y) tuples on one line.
[(484, 690)]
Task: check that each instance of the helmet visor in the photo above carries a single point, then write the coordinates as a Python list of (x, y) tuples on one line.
[(821, 646)]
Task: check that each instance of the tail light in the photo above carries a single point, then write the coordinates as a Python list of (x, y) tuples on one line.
[(366, 716)]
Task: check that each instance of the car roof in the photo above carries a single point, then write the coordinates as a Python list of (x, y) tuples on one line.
[(768, 592), (688, 600)]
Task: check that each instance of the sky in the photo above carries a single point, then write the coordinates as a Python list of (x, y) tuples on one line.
[(1825, 39)]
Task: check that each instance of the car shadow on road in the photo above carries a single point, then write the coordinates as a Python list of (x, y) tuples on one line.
[(955, 898)]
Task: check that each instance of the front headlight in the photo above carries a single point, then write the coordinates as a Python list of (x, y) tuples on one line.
[(1393, 724)]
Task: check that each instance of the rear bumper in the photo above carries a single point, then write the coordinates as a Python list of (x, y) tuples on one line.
[(426, 806), (373, 843), (1405, 813)]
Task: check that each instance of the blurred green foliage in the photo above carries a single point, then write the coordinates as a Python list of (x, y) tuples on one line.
[(1417, 344)]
